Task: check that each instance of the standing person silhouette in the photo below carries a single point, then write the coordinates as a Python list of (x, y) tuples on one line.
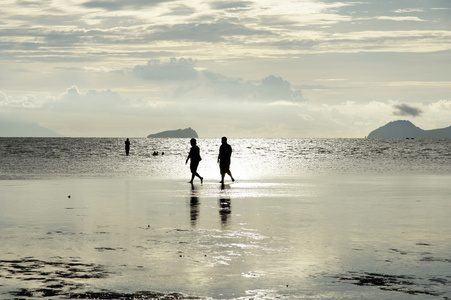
[(194, 155), (225, 152), (127, 146)]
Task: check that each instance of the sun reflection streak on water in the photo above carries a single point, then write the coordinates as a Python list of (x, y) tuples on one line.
[(251, 158)]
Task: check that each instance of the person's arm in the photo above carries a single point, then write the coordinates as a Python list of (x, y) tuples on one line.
[(189, 155)]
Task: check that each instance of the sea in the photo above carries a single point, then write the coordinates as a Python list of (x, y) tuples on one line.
[(304, 219), (105, 157)]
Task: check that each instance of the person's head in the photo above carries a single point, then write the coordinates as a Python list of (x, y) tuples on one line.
[(193, 142), (224, 140)]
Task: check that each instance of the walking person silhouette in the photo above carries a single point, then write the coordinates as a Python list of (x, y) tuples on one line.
[(225, 152), (194, 155)]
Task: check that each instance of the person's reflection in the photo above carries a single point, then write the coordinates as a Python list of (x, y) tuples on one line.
[(225, 207), (194, 206)]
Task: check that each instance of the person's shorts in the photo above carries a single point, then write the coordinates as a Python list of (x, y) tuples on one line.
[(193, 167), (224, 167)]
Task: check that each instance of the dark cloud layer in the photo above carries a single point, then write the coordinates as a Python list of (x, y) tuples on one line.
[(231, 5), (120, 4), (407, 110), (274, 88)]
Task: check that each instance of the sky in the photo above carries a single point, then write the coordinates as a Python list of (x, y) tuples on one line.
[(262, 68)]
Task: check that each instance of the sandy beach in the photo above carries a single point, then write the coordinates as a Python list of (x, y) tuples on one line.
[(328, 237)]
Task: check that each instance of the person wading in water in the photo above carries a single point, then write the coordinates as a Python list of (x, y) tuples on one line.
[(127, 146)]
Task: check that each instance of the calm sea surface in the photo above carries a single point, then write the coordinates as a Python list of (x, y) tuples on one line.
[(252, 158)]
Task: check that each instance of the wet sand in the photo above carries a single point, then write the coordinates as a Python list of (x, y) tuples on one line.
[(340, 237)]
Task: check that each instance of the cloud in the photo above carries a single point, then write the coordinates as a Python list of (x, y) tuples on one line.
[(273, 88), (175, 69), (120, 4), (231, 5), (407, 110), (181, 10), (216, 87), (399, 19), (110, 113), (217, 31), (3, 98), (74, 101), (27, 101), (408, 10)]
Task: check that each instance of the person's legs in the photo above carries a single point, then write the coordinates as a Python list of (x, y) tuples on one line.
[(223, 168), (200, 177), (230, 174), (194, 173), (192, 177)]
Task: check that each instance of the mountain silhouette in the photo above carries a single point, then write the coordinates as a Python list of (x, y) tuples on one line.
[(405, 129), (179, 133), (25, 129)]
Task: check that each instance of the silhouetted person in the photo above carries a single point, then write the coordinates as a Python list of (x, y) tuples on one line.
[(225, 152), (127, 146), (194, 155)]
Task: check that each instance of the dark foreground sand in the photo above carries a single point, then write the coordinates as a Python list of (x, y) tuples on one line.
[(372, 237)]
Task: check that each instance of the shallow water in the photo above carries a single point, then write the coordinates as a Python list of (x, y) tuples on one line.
[(252, 158), (314, 226)]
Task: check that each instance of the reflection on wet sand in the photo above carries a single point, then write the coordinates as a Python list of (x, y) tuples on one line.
[(225, 208), (194, 206), (224, 202)]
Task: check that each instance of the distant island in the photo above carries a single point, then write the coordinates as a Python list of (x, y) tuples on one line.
[(405, 129), (179, 133)]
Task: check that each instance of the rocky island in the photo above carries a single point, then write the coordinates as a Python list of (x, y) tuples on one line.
[(405, 129), (179, 133)]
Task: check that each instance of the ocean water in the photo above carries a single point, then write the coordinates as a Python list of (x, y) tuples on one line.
[(252, 158), (305, 219)]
